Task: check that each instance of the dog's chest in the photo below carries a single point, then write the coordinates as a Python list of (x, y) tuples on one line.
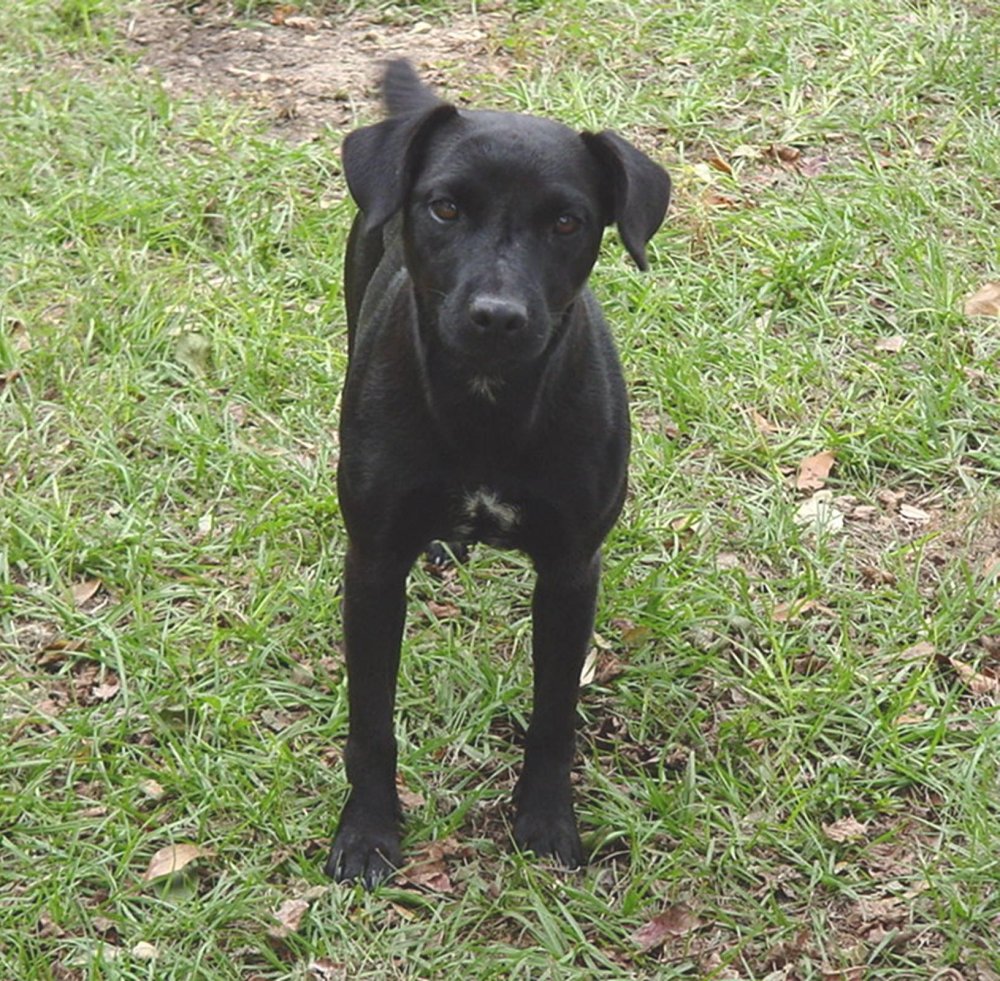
[(482, 515)]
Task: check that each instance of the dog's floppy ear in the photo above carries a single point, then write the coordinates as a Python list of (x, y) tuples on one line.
[(640, 190), (380, 161)]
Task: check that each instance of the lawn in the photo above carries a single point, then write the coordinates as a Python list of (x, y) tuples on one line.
[(789, 728)]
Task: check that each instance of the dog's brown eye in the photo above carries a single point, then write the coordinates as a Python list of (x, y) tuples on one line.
[(567, 225), (444, 210)]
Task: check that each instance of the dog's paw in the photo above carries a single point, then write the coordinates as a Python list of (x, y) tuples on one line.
[(441, 555), (366, 855), (550, 834)]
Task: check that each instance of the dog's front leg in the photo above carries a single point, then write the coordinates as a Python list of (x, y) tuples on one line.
[(562, 622), (367, 843)]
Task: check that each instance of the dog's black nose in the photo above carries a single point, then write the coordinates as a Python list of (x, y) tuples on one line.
[(493, 313)]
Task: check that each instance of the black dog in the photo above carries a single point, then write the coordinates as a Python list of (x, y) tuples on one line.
[(484, 402)]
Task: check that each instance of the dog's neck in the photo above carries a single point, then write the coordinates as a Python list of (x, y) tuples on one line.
[(464, 397)]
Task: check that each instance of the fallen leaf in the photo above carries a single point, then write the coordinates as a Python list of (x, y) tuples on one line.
[(977, 682), (443, 611), (985, 302), (786, 154), (171, 859), (721, 165), (105, 692), (714, 199), (83, 591), (846, 829), (401, 911), (314, 892), (151, 789), (431, 875), (408, 798), (703, 172), (918, 652), (674, 921), (281, 11), (819, 513), (874, 576), (911, 513), (763, 425), (608, 668), (814, 470), (304, 23), (327, 970), (893, 345), (890, 499), (20, 339), (796, 609), (812, 166), (601, 666), (289, 916)]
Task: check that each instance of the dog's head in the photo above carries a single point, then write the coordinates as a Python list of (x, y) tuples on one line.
[(503, 213)]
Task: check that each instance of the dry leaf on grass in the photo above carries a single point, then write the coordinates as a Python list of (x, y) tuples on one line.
[(443, 611), (985, 302), (144, 951), (408, 798), (326, 969), (814, 470), (20, 339), (430, 870), (289, 916), (588, 672), (846, 829), (106, 691), (918, 652), (151, 789), (978, 682), (601, 667), (721, 165), (892, 345), (762, 424), (172, 859), (674, 921), (83, 591), (796, 609), (818, 513), (914, 514), (784, 154)]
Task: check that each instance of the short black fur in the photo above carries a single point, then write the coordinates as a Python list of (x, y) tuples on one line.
[(484, 402)]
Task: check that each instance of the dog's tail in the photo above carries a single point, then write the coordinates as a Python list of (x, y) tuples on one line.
[(402, 90)]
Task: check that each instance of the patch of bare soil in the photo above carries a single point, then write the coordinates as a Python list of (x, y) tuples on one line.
[(302, 72)]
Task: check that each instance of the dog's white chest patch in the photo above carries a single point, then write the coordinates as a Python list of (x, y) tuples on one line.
[(485, 387), (483, 510)]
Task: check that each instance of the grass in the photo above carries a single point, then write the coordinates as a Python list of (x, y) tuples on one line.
[(171, 351)]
